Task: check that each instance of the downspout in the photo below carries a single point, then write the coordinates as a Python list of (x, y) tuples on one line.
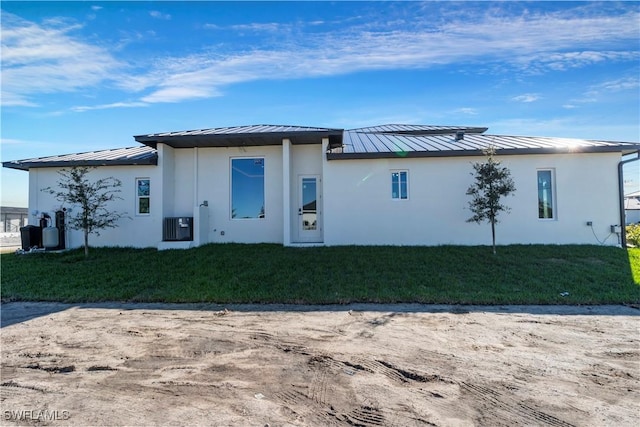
[(623, 234)]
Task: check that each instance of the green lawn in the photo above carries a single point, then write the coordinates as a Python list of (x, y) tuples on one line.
[(234, 273)]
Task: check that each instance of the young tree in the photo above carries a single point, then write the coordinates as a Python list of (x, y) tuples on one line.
[(91, 197), (492, 182)]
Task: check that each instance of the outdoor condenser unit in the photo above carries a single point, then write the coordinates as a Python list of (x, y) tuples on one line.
[(177, 229)]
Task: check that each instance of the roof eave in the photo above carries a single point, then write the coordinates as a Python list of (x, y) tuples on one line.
[(26, 165), (473, 153), (240, 140)]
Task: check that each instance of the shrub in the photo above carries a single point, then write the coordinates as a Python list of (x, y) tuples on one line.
[(633, 234)]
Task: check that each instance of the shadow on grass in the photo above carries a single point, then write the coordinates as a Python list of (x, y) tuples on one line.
[(17, 312)]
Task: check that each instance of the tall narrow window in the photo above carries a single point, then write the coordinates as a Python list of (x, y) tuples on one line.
[(247, 188), (399, 185), (143, 194), (546, 203)]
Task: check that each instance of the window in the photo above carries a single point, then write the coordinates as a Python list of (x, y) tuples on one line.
[(247, 188), (399, 185), (546, 203), (143, 192)]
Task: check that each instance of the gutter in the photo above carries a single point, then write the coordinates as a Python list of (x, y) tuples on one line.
[(623, 234)]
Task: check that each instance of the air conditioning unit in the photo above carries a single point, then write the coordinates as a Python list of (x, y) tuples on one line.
[(177, 229)]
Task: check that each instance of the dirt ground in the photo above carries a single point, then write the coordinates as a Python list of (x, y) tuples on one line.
[(361, 365)]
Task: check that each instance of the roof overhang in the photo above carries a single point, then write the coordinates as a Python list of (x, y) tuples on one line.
[(130, 156), (242, 140), (473, 153), (25, 165)]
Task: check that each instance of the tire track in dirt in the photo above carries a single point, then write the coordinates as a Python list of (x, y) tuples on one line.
[(327, 372), (326, 367), (499, 402)]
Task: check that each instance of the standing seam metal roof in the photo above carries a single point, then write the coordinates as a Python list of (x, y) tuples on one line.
[(240, 130), (254, 135), (383, 143), (386, 141), (115, 157)]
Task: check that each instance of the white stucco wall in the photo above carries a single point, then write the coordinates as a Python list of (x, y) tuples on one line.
[(306, 160), (210, 180), (359, 209), (135, 231), (356, 206)]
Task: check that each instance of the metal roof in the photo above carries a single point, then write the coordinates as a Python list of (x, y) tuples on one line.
[(419, 129), (243, 136), (116, 157), (631, 204), (363, 144), (385, 141)]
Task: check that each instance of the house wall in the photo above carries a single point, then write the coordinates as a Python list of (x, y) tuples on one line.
[(204, 174), (134, 230), (305, 160), (359, 209), (356, 206)]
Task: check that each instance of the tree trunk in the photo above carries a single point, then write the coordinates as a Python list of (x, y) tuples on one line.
[(86, 243), (493, 235)]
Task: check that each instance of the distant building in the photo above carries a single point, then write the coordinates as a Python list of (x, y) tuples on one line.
[(632, 207), (382, 185), (13, 218)]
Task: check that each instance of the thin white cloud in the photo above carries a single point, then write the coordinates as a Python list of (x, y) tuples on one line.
[(526, 97), (159, 15), (40, 59), (626, 83), (81, 109), (96, 7), (268, 27), (534, 43), (7, 141), (603, 89), (179, 93), (48, 59), (466, 110)]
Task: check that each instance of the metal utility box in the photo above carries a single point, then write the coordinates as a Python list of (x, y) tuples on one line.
[(31, 235), (177, 229)]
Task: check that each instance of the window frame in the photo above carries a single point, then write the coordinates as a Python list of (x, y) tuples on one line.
[(264, 188), (552, 190), (399, 185), (139, 196)]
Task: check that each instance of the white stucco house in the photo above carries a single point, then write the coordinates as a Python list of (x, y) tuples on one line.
[(383, 185)]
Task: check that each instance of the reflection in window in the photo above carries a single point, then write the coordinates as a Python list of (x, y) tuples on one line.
[(545, 194), (247, 188), (309, 204), (399, 185), (143, 193)]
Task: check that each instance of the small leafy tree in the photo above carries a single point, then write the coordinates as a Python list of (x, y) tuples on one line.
[(91, 197), (492, 182)]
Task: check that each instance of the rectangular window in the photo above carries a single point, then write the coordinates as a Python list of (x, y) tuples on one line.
[(143, 193), (399, 185), (247, 188), (546, 202)]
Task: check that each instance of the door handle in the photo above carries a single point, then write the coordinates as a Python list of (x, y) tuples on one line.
[(299, 211)]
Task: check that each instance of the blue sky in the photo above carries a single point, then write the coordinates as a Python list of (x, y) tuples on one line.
[(83, 76)]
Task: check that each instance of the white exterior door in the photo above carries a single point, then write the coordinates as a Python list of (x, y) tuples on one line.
[(309, 209)]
